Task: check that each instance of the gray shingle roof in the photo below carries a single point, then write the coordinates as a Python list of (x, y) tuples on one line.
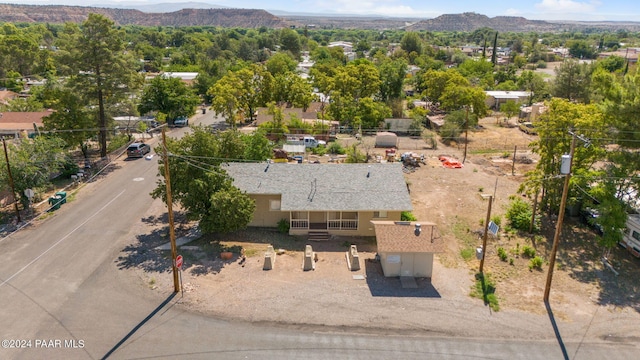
[(325, 187)]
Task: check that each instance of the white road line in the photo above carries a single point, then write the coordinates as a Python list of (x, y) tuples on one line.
[(62, 239)]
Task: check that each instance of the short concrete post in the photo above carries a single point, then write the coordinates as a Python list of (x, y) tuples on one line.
[(307, 261), (353, 259), (269, 258)]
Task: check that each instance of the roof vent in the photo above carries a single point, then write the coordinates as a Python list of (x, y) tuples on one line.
[(417, 230)]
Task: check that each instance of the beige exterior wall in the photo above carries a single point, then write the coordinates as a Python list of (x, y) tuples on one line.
[(263, 215), (407, 264)]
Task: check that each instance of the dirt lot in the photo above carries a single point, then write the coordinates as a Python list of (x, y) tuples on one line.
[(591, 303)]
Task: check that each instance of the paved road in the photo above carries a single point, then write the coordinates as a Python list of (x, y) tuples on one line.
[(62, 294)]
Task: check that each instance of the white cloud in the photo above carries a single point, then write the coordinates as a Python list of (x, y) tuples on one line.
[(513, 12), (567, 6), (375, 7)]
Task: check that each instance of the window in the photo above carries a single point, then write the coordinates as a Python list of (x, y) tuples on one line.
[(380, 214), (274, 204), (635, 235)]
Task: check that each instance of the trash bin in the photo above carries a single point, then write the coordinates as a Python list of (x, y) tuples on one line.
[(204, 111), (63, 197), (55, 202)]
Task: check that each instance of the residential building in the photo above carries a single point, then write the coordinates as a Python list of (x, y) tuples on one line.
[(339, 199)]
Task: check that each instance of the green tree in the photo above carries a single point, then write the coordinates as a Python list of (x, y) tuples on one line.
[(573, 81), (535, 84), (168, 95), (290, 41), (99, 68), (32, 163), (554, 141), (392, 74), (411, 42), (581, 49), (280, 63), (509, 109), (74, 119), (205, 191), (372, 113)]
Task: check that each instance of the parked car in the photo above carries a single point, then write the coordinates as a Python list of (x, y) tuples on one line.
[(138, 149), (590, 217), (181, 121), (528, 128)]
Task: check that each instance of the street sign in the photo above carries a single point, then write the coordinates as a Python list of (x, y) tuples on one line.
[(493, 228), (179, 262)]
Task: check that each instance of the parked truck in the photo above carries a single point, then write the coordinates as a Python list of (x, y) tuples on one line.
[(631, 237), (306, 140)]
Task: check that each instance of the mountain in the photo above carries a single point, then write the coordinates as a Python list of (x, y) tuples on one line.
[(245, 18), (162, 7), (175, 14), (474, 21)]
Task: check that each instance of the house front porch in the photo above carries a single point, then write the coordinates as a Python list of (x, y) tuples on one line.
[(301, 222)]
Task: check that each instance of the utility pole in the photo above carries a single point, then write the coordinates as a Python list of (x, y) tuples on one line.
[(13, 188), (466, 134), (172, 233), (484, 237), (513, 164), (556, 235)]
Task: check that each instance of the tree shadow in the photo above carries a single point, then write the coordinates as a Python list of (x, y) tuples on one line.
[(382, 286), (580, 255), (143, 252)]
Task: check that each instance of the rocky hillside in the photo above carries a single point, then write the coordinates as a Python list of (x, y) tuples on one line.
[(245, 18), (473, 21)]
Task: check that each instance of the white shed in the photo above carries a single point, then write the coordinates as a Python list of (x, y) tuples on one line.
[(386, 139)]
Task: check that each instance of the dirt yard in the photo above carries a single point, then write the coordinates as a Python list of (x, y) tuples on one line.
[(583, 294)]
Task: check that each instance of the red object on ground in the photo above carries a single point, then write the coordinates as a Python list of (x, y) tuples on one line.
[(451, 163)]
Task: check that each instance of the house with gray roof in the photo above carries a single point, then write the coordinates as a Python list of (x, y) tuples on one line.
[(339, 199)]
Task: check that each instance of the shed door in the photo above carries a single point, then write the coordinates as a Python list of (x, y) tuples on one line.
[(406, 267)]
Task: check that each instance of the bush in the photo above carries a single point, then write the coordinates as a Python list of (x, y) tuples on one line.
[(407, 216), (502, 254), (319, 150), (519, 214), (467, 253), (485, 288), (528, 251), (117, 142), (283, 226), (511, 261), (336, 149), (536, 263)]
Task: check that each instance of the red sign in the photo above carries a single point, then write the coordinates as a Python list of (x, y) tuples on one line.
[(179, 262)]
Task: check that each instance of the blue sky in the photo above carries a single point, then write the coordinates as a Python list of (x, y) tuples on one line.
[(593, 10)]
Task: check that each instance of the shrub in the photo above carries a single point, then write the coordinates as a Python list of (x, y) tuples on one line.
[(283, 226), (467, 253), (519, 214), (528, 251), (536, 263), (511, 261), (407, 216), (336, 149), (485, 289), (502, 254), (497, 220), (319, 150)]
